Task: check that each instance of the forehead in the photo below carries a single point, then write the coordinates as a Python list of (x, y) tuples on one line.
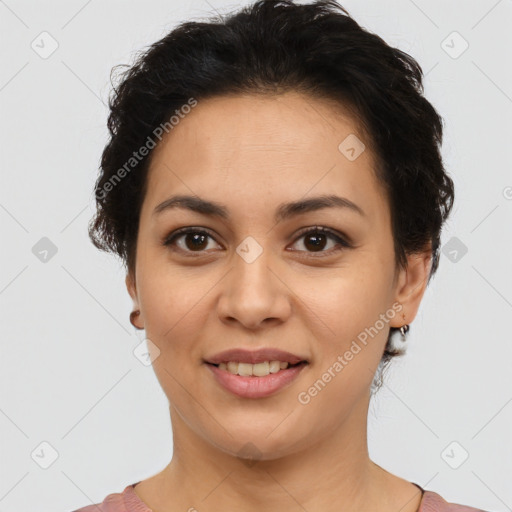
[(264, 148)]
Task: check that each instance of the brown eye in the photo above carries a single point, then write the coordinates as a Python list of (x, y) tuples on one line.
[(316, 240), (192, 240), (195, 241)]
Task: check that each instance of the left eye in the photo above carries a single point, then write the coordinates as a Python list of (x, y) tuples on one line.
[(316, 238), (196, 240)]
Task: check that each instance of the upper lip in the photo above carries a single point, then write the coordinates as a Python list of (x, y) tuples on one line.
[(254, 356)]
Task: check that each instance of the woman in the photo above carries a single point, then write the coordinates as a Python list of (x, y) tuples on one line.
[(275, 187)]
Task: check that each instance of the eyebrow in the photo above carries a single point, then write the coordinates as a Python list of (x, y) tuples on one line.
[(283, 212)]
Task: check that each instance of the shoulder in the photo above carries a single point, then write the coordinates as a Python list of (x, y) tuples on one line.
[(433, 502), (125, 501)]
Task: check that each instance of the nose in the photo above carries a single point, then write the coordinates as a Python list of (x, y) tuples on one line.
[(254, 294)]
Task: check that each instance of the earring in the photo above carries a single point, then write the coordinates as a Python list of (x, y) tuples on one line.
[(404, 329), (133, 314)]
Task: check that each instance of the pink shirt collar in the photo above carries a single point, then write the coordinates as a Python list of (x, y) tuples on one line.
[(129, 501)]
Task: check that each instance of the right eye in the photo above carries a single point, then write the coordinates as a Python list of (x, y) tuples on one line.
[(194, 240)]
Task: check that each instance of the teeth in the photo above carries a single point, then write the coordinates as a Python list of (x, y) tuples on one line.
[(274, 366), (258, 370), (261, 369), (232, 367), (245, 369)]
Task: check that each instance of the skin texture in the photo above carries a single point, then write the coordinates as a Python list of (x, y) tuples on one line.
[(252, 153)]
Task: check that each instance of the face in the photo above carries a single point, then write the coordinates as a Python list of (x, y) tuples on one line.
[(317, 282)]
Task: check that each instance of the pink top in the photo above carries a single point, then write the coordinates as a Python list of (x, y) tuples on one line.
[(128, 501)]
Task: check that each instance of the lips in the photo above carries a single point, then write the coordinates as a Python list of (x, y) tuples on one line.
[(255, 356), (256, 387)]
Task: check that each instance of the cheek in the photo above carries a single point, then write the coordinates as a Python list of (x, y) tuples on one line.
[(175, 308), (348, 350), (348, 314), (173, 299), (347, 304), (178, 314)]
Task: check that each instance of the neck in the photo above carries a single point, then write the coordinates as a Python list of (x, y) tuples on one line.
[(335, 473)]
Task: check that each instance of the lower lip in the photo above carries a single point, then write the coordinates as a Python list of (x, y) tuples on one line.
[(256, 387)]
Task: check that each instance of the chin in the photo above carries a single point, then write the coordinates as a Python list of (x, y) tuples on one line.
[(256, 445)]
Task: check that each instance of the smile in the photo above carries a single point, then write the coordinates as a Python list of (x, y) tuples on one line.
[(255, 380), (258, 370)]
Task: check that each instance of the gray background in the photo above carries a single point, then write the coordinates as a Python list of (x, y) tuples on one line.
[(68, 374)]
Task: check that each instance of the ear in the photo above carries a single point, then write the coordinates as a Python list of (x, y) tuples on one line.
[(132, 290), (411, 284)]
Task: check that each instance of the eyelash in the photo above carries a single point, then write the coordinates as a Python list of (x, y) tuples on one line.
[(170, 239)]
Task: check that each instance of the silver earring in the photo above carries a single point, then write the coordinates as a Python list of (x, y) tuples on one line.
[(404, 328)]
